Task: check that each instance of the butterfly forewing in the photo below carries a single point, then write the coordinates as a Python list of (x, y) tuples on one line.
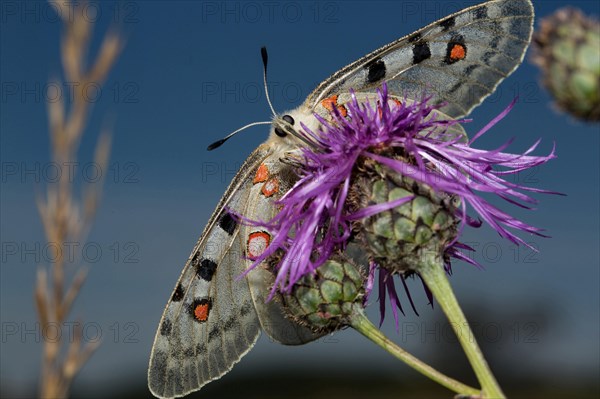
[(210, 321), (458, 60)]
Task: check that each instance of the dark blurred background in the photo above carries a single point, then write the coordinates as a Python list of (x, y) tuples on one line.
[(190, 73)]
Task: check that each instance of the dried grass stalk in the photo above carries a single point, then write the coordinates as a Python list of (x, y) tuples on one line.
[(64, 216)]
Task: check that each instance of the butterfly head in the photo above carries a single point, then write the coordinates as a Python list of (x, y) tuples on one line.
[(284, 126), (287, 129)]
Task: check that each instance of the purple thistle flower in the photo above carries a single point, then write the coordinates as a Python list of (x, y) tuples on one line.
[(315, 219)]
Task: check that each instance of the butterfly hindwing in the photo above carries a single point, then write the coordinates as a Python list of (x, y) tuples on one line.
[(210, 321), (270, 181), (458, 60)]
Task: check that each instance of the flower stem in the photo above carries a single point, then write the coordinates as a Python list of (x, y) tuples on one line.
[(433, 273), (362, 324)]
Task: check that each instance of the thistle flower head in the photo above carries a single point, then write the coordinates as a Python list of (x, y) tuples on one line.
[(419, 156)]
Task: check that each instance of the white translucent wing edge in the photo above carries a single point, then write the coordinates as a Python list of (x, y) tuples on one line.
[(216, 376), (249, 165), (330, 85)]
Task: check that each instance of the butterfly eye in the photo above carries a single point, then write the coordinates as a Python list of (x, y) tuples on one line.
[(288, 119), (280, 132)]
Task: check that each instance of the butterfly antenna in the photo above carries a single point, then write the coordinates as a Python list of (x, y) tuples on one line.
[(265, 60), (220, 142)]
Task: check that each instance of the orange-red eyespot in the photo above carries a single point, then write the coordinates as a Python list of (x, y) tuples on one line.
[(458, 52), (200, 309), (262, 174), (270, 187), (330, 102), (258, 242)]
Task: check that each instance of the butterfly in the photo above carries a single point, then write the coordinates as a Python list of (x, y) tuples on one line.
[(216, 312)]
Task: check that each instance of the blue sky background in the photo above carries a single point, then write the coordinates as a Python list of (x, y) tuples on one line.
[(189, 74)]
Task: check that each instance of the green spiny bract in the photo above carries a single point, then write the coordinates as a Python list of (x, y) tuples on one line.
[(325, 300), (397, 239), (567, 49)]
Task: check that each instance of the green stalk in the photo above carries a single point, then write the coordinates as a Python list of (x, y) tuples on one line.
[(432, 272), (362, 324)]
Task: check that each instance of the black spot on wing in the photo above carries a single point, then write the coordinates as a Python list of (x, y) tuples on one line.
[(414, 37), (189, 352), (158, 367), (454, 88), (447, 23), (519, 28), (246, 308), (494, 43), (178, 293), (195, 351), (421, 52), (201, 349), (215, 332), (227, 223), (375, 70), (480, 12), (230, 323), (166, 327), (205, 269), (469, 70), (487, 57)]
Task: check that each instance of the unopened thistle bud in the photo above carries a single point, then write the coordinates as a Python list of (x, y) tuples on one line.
[(325, 299), (567, 49)]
